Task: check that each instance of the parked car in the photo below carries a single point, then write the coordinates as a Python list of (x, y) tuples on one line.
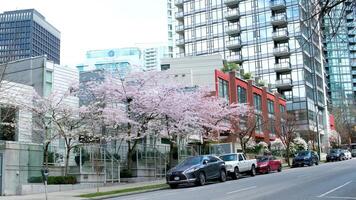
[(197, 169), (236, 163), (305, 158), (266, 164), (353, 149), (334, 155), (347, 154)]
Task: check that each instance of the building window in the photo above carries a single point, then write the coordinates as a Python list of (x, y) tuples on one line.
[(257, 100), (241, 94), (7, 123), (258, 123), (48, 83), (272, 127), (223, 89), (270, 105), (282, 109)]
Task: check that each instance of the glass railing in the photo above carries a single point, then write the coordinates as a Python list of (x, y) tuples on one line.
[(277, 3), (283, 33), (281, 50), (233, 27), (279, 18), (232, 13), (282, 66), (234, 42)]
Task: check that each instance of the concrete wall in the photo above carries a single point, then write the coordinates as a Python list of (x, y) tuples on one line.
[(194, 71), (19, 96), (26, 71), (21, 161)]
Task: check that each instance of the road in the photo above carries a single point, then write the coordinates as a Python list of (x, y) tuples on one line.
[(335, 180)]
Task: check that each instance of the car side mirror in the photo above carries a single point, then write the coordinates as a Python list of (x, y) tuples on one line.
[(205, 162)]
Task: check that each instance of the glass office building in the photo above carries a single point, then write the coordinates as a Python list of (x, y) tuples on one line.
[(26, 33), (340, 52), (269, 38), (120, 61)]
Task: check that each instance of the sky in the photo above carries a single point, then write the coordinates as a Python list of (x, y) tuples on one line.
[(99, 24)]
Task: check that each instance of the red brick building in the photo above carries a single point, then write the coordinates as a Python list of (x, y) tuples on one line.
[(267, 106)]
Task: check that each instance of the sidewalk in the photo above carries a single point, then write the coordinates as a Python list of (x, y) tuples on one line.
[(70, 195)]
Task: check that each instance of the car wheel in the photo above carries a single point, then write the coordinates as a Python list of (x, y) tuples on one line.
[(268, 170), (317, 162), (201, 180), (279, 168), (311, 163), (222, 176), (173, 186), (253, 170), (236, 174)]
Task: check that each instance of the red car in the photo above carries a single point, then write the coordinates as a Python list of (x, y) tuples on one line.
[(266, 164)]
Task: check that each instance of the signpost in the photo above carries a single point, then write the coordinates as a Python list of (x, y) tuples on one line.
[(45, 178)]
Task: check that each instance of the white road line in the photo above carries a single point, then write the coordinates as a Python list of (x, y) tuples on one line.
[(334, 189), (240, 190), (331, 197)]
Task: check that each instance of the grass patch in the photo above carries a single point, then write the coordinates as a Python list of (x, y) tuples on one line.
[(126, 190)]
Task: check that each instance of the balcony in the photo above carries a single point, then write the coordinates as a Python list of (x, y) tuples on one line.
[(234, 44), (233, 29), (352, 40), (178, 3), (282, 67), (179, 15), (235, 58), (353, 48), (277, 5), (284, 84), (281, 51), (180, 42), (233, 15), (280, 35), (279, 20), (179, 28), (232, 3)]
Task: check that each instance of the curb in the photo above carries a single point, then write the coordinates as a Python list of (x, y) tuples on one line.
[(125, 194)]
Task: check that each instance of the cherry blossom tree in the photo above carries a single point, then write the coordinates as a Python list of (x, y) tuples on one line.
[(287, 133)]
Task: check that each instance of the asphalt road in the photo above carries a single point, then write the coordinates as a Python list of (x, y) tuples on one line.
[(335, 180)]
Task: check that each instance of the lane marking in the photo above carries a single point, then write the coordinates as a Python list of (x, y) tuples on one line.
[(334, 189), (240, 190), (331, 197)]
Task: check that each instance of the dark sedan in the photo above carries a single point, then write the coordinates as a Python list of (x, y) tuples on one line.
[(335, 154), (198, 170), (305, 158), (266, 164)]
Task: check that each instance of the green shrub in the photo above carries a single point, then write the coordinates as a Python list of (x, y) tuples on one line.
[(125, 174), (54, 180)]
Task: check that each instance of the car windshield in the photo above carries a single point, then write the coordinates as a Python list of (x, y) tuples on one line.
[(303, 153), (334, 150), (192, 161), (262, 159), (230, 157)]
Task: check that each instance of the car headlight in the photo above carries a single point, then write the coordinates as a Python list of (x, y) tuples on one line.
[(190, 170)]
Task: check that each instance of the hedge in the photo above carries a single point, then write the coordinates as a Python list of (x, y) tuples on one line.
[(54, 180)]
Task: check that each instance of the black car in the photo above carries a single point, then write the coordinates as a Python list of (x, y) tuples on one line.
[(305, 158), (335, 154), (197, 169)]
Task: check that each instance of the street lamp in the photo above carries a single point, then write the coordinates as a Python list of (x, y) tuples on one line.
[(317, 130)]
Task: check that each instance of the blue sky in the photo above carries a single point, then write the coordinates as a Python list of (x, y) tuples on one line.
[(99, 24)]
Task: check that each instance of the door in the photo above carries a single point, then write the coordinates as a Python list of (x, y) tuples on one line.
[(213, 167), (242, 163), (0, 174)]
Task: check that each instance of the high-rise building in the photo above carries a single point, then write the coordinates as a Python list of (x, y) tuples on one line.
[(120, 60), (269, 38), (340, 43), (26, 33)]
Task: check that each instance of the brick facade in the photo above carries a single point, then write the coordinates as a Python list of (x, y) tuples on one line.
[(251, 90)]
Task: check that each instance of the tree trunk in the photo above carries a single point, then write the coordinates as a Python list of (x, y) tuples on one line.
[(46, 154), (67, 162), (287, 155), (171, 152)]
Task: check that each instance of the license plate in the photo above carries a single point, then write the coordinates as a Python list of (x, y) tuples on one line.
[(176, 178)]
